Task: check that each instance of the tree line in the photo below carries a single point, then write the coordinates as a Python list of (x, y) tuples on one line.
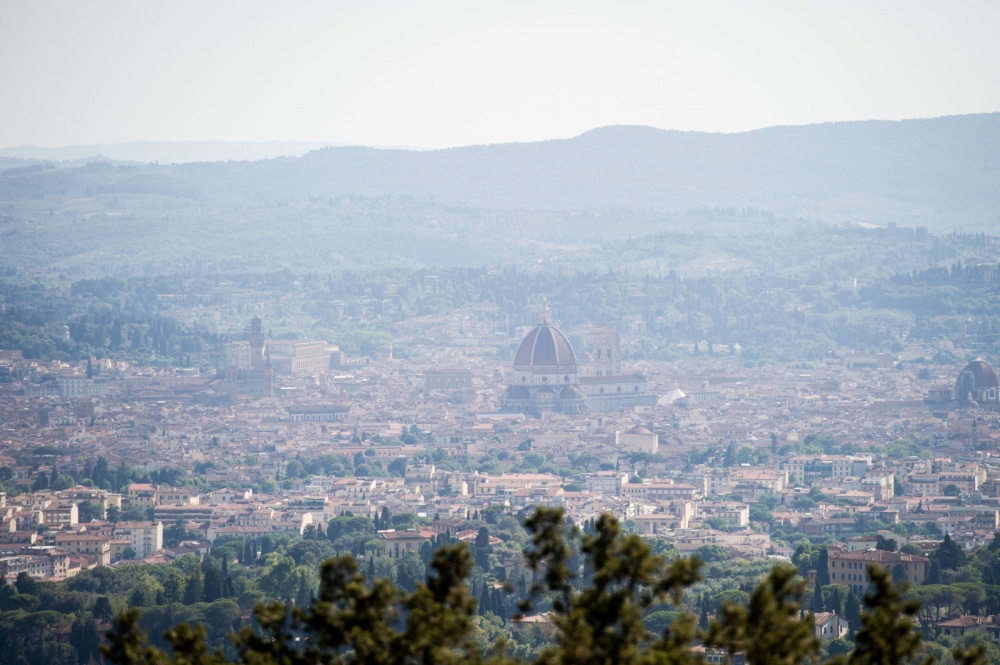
[(593, 588)]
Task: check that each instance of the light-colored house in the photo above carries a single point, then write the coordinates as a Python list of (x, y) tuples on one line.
[(830, 626)]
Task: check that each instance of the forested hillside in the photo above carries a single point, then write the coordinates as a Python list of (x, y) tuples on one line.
[(456, 206), (790, 294)]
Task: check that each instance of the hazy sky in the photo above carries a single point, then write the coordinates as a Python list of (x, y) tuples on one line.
[(436, 74)]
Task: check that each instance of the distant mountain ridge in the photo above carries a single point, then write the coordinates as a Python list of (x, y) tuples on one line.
[(941, 172), (166, 152), (946, 163)]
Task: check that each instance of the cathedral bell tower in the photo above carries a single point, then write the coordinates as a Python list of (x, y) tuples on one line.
[(606, 355), (256, 340)]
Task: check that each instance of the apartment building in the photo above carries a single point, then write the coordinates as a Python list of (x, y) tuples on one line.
[(607, 483), (851, 568), (144, 537), (93, 547), (38, 561)]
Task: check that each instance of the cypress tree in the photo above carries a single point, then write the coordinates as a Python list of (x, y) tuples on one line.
[(484, 601), (852, 609), (817, 599), (213, 583), (121, 477), (823, 568), (194, 590), (481, 549), (303, 597), (500, 604)]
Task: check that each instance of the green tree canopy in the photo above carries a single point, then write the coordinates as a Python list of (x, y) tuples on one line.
[(599, 585)]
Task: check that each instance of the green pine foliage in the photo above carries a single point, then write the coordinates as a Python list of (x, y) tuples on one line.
[(771, 629), (887, 635)]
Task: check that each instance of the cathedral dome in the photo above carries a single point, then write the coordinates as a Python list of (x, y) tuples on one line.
[(978, 381), (545, 349), (545, 374)]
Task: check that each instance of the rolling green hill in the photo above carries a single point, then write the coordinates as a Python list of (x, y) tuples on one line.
[(353, 207)]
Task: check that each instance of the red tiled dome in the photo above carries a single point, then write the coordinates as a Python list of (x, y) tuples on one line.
[(545, 348), (977, 377)]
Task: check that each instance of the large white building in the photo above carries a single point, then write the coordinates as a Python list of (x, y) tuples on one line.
[(144, 538), (607, 483), (80, 386)]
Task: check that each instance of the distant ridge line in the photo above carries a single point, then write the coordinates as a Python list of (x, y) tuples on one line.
[(182, 152), (941, 172)]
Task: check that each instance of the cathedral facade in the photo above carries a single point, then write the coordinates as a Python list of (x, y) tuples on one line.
[(548, 378)]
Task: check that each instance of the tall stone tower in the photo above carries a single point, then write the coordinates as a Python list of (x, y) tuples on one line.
[(256, 340), (248, 366), (606, 352)]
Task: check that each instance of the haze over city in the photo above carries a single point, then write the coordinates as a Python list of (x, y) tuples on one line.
[(557, 333)]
